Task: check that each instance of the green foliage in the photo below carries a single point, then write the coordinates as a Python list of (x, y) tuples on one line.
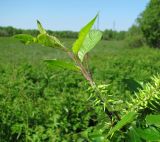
[(148, 134), (107, 34), (50, 41), (149, 131), (40, 28), (82, 36), (133, 135), (92, 38), (31, 109), (147, 100), (153, 120), (134, 37), (149, 22), (24, 38), (135, 41), (114, 35), (47, 40), (11, 31), (127, 118), (41, 103), (62, 64), (43, 38)]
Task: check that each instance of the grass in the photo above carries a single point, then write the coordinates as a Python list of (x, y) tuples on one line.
[(14, 52)]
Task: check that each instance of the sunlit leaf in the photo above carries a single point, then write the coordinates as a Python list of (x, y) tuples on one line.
[(49, 41), (40, 28), (25, 38), (46, 39), (125, 120), (149, 134), (153, 120), (92, 38), (62, 64), (82, 35)]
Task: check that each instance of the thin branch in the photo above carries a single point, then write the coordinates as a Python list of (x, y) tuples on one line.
[(88, 77)]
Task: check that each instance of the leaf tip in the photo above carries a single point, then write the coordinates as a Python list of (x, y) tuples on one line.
[(38, 22), (40, 27)]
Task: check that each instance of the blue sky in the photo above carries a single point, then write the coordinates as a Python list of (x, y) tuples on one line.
[(70, 14)]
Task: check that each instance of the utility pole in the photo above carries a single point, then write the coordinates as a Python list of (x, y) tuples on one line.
[(114, 26)]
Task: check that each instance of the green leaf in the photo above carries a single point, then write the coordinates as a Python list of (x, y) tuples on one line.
[(40, 28), (149, 134), (82, 35), (62, 64), (92, 38), (125, 120), (153, 120), (49, 41), (25, 38), (133, 136)]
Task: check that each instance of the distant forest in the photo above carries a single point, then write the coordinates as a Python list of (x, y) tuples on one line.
[(107, 34)]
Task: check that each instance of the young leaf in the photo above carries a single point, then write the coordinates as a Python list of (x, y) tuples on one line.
[(92, 38), (40, 28), (153, 120), (49, 41), (62, 64), (82, 35), (25, 38), (125, 120)]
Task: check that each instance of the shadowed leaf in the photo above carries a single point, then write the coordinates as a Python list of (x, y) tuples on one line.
[(132, 85), (62, 64), (125, 120), (133, 136), (149, 134)]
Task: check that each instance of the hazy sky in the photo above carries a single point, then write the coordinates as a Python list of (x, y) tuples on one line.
[(70, 14)]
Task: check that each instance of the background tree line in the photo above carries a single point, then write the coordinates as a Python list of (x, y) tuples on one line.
[(10, 31), (107, 34)]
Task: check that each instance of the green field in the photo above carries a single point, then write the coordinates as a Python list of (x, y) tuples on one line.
[(41, 103)]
